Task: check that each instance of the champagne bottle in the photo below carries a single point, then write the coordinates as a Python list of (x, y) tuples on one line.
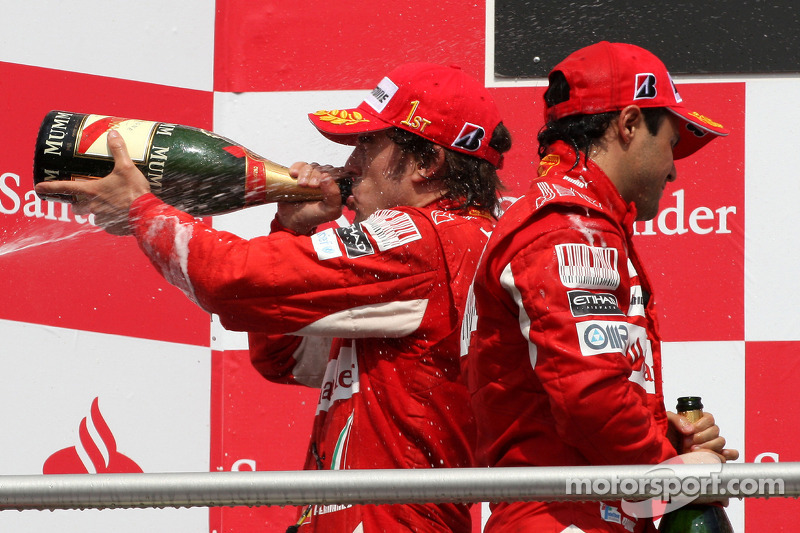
[(195, 170), (695, 517)]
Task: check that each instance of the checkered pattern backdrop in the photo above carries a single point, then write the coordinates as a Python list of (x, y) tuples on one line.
[(106, 368)]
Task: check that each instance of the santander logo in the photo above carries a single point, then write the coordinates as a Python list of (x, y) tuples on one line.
[(97, 453)]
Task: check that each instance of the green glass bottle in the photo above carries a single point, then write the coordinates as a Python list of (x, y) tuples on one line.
[(195, 170), (695, 517)]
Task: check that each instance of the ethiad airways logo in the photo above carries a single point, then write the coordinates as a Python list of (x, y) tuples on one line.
[(97, 453)]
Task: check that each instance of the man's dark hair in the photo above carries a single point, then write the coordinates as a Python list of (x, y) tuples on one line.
[(581, 131), (471, 181)]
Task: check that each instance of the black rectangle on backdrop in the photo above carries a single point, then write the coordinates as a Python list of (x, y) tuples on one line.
[(700, 37)]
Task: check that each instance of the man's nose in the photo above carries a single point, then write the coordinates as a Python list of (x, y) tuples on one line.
[(673, 175)]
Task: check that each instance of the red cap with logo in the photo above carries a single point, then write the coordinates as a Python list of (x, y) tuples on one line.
[(607, 77), (441, 104)]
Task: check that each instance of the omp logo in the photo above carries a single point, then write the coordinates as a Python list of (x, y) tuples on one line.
[(645, 86), (97, 453), (587, 267), (470, 137), (602, 337), (582, 303), (629, 340)]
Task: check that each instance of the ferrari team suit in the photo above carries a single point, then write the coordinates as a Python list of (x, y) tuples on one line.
[(386, 298), (564, 364)]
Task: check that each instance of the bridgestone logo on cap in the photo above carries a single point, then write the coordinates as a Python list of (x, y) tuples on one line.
[(470, 137), (645, 87), (381, 95)]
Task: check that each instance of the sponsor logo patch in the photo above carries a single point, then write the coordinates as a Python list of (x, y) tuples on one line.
[(326, 245), (381, 95), (550, 192), (341, 379), (645, 86), (602, 336), (583, 303), (391, 229), (610, 514), (470, 137), (546, 163), (637, 303), (597, 337), (587, 267), (356, 243)]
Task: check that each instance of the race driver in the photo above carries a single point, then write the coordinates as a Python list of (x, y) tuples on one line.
[(370, 313), (565, 362)]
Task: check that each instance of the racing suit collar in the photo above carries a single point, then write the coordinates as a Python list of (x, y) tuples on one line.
[(559, 161)]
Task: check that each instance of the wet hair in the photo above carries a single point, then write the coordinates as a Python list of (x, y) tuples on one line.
[(470, 181), (581, 131)]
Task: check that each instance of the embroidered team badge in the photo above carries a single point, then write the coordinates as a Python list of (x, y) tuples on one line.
[(547, 163)]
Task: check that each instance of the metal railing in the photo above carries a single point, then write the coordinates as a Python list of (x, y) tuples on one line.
[(464, 485)]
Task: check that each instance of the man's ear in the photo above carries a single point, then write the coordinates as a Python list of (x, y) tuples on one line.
[(430, 170), (629, 123)]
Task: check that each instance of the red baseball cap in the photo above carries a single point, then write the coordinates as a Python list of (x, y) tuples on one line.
[(441, 104), (608, 76)]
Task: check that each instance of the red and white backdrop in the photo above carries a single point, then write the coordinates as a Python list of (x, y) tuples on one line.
[(106, 368)]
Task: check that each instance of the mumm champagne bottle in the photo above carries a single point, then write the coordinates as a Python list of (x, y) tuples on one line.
[(195, 170), (695, 518)]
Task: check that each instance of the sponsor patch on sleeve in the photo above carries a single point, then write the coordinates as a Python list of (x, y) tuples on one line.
[(581, 266), (326, 245), (356, 243), (391, 229)]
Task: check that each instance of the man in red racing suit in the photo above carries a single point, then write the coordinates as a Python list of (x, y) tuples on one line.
[(391, 295), (565, 361), (370, 313)]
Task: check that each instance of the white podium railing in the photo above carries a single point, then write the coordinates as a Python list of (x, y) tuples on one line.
[(103, 491)]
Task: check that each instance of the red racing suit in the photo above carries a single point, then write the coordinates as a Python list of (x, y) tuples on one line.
[(385, 298), (564, 364)]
